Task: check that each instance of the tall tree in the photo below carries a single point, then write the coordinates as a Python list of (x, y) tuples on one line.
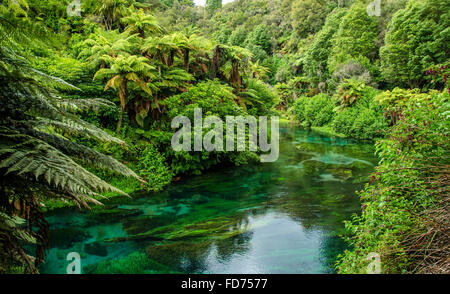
[(417, 38), (318, 52), (142, 23), (213, 5), (102, 43), (111, 11), (125, 69), (355, 39), (308, 16)]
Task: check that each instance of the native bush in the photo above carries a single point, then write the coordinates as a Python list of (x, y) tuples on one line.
[(319, 110), (405, 208), (153, 168)]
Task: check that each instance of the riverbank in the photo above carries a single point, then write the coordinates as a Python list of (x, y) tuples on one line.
[(405, 216)]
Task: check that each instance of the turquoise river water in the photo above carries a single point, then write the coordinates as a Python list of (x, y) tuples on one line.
[(281, 217)]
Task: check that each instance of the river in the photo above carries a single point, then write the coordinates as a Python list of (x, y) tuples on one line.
[(281, 217)]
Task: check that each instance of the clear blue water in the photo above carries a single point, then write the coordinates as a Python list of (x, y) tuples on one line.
[(281, 217)]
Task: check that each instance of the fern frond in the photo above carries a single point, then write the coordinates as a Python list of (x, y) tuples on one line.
[(71, 124), (85, 154), (29, 157)]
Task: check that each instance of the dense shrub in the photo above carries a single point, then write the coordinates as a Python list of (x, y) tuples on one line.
[(405, 215), (215, 99), (319, 110), (299, 108), (343, 121), (153, 168), (369, 124), (350, 91), (316, 111), (266, 96)]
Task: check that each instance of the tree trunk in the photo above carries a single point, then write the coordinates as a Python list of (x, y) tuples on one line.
[(186, 59), (235, 76), (170, 58), (142, 34), (215, 63), (123, 95), (119, 123)]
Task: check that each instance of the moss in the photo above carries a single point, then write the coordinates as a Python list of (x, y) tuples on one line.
[(134, 226), (341, 173), (135, 263), (111, 214), (171, 254), (328, 131), (199, 199), (307, 147)]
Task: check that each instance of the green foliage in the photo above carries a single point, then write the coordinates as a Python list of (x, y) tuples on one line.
[(266, 98), (359, 115), (350, 91), (368, 124), (39, 158), (355, 39), (319, 110), (152, 167), (135, 263), (166, 58), (308, 16), (213, 5), (141, 23), (260, 37), (316, 111), (299, 108), (417, 38), (215, 99), (344, 120), (404, 205), (318, 53), (238, 36)]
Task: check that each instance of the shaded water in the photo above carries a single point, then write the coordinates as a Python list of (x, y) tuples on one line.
[(282, 217)]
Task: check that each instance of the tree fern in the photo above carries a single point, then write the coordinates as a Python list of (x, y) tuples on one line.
[(37, 159)]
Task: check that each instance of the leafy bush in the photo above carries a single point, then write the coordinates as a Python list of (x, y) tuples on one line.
[(350, 91), (369, 124), (319, 110), (343, 121), (153, 168), (213, 98), (405, 208), (266, 96), (316, 111), (299, 108), (360, 116)]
